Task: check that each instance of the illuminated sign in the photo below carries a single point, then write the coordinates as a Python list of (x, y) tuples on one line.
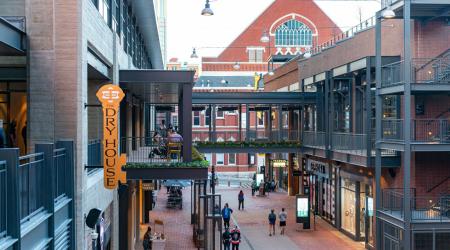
[(110, 97), (279, 163), (370, 206), (302, 207), (259, 179)]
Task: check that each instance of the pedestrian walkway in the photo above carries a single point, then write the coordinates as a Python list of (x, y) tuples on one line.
[(255, 229), (178, 229), (253, 224)]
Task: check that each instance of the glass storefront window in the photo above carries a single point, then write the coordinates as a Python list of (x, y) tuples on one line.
[(348, 206)]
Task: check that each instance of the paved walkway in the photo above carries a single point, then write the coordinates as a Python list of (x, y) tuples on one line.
[(253, 224)]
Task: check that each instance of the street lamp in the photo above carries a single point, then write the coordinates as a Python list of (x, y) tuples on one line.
[(194, 53), (265, 38), (388, 13), (271, 73), (236, 66), (307, 54), (207, 11)]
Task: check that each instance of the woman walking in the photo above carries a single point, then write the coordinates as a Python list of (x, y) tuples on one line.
[(272, 219), (241, 200)]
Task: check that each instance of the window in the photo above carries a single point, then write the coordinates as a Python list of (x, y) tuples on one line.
[(260, 116), (104, 7), (219, 159), (219, 114), (293, 33), (231, 159), (208, 157), (196, 118), (116, 18), (255, 54)]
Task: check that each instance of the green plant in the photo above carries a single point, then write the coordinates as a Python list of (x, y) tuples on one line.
[(193, 164), (253, 144)]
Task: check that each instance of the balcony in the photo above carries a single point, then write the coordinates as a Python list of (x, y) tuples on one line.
[(426, 134), (347, 147), (424, 209), (427, 74), (148, 160)]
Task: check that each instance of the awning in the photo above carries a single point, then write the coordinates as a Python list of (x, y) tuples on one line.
[(12, 39)]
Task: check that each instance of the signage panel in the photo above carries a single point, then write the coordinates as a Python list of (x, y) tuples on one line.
[(110, 97)]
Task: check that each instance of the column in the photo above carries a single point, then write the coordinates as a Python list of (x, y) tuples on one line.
[(187, 121)]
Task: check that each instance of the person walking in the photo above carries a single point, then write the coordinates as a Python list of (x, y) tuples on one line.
[(272, 219), (283, 216), (254, 187), (241, 200), (226, 215), (235, 238), (147, 242), (226, 239)]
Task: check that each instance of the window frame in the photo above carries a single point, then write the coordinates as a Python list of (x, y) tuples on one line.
[(235, 160), (222, 158)]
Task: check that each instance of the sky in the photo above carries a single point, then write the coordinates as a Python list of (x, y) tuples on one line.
[(187, 28)]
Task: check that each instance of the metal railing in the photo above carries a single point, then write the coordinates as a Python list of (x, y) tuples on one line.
[(392, 129), (356, 143), (251, 135), (422, 130), (94, 154), (31, 179), (60, 175), (3, 200), (423, 70), (431, 208), (392, 201), (430, 130), (144, 150), (314, 139), (367, 24)]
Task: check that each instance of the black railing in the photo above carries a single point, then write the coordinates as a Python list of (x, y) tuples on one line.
[(31, 180), (423, 71), (251, 135), (144, 150), (60, 175), (94, 155), (3, 200), (314, 139)]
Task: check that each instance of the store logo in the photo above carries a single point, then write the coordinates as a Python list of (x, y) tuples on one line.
[(110, 96)]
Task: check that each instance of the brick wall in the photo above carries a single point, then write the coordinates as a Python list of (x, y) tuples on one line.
[(236, 51)]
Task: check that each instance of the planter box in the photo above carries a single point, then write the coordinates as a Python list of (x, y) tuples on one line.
[(169, 173)]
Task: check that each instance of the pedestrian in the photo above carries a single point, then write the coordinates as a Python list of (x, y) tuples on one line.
[(147, 242), (235, 238), (283, 216), (226, 215), (226, 239), (254, 187), (241, 200), (272, 220)]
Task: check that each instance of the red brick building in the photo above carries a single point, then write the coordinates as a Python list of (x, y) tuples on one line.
[(293, 27)]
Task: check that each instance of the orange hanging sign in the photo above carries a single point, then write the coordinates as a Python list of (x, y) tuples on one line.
[(110, 96)]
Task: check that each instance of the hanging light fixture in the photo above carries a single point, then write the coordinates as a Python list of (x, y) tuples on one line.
[(265, 37), (388, 13), (307, 54), (236, 66), (271, 73), (207, 11), (194, 53)]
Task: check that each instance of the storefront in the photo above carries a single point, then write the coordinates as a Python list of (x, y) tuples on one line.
[(322, 183), (356, 207), (279, 173)]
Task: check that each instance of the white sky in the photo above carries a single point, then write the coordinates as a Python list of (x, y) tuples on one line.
[(187, 28)]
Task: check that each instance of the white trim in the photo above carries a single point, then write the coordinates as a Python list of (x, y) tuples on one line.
[(255, 48), (293, 15), (262, 63), (232, 164), (208, 88), (320, 77), (294, 86), (309, 80)]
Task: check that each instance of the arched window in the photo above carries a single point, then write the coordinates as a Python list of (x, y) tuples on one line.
[(293, 33)]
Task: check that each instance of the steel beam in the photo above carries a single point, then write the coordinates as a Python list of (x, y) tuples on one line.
[(378, 117)]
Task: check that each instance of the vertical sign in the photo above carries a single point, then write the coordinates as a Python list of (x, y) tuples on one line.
[(110, 96)]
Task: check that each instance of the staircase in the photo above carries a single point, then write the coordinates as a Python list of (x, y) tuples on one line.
[(442, 187)]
